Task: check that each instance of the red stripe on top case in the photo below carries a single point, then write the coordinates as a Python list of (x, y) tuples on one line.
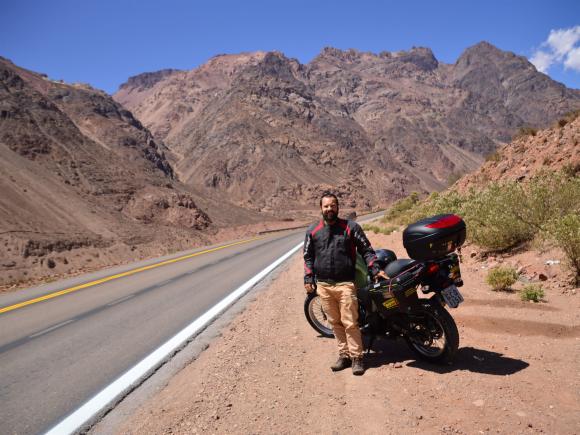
[(446, 222)]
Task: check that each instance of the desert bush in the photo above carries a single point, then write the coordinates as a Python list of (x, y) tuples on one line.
[(565, 231), (506, 214), (400, 207), (546, 196), (491, 219), (379, 229), (569, 117), (493, 157), (532, 292), (571, 169), (526, 131), (436, 203), (501, 278)]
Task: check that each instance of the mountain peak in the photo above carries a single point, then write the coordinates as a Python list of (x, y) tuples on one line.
[(147, 80), (484, 51)]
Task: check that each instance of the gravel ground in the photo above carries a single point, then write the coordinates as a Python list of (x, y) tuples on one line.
[(517, 370)]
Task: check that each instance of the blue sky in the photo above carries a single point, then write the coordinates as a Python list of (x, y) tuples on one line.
[(104, 42)]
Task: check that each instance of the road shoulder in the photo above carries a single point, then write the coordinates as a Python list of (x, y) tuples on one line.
[(269, 372)]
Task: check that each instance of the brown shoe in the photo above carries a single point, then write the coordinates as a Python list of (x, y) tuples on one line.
[(341, 363), (358, 368)]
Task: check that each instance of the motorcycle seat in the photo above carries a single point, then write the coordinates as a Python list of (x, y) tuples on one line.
[(394, 268)]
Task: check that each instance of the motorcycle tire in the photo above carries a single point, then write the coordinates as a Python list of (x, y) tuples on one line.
[(439, 325), (316, 316)]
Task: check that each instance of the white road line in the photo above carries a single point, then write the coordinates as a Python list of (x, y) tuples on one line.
[(123, 299), (52, 328), (115, 391)]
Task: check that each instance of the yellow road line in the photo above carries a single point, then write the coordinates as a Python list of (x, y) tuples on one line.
[(119, 275)]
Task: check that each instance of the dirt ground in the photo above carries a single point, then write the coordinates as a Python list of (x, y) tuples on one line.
[(517, 369)]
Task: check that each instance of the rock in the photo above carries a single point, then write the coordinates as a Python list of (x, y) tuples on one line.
[(542, 277), (50, 263)]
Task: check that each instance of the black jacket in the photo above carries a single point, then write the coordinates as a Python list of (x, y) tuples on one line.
[(330, 251)]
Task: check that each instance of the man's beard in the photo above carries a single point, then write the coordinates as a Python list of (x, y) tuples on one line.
[(329, 216)]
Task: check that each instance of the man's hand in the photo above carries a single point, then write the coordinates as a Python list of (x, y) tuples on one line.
[(309, 288), (381, 275)]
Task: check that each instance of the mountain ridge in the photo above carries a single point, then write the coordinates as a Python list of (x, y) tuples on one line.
[(374, 127)]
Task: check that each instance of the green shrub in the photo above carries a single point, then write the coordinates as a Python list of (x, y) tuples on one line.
[(400, 207), (506, 214), (501, 278), (565, 231), (546, 196), (532, 292), (379, 229), (491, 219)]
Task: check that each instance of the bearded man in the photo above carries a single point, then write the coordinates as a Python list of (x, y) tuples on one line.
[(330, 251)]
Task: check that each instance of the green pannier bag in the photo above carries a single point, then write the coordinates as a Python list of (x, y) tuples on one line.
[(361, 274)]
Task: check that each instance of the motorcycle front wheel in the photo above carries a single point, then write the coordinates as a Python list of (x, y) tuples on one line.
[(433, 335), (315, 315)]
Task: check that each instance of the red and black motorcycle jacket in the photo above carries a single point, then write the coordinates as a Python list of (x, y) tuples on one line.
[(330, 251)]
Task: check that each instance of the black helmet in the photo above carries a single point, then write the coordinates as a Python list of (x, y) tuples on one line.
[(384, 257)]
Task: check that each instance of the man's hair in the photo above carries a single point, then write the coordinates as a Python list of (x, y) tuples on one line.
[(327, 194)]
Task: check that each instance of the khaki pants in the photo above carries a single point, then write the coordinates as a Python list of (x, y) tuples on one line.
[(341, 307)]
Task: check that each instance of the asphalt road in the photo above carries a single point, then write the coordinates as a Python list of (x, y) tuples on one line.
[(57, 353)]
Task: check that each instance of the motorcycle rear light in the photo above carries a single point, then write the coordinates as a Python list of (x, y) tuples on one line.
[(433, 268), (446, 222)]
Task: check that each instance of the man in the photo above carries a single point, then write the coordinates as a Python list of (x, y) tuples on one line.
[(329, 261)]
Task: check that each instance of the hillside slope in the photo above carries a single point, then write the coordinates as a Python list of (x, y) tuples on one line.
[(85, 184)]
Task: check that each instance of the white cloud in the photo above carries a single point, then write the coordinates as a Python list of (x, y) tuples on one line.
[(542, 60), (562, 46), (573, 59), (561, 41)]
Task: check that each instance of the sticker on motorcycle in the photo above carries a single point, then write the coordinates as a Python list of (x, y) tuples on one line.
[(390, 303)]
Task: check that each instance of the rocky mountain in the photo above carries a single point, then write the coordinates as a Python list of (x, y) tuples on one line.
[(83, 181), (270, 133)]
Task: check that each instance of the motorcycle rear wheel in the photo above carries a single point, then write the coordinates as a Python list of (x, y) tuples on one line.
[(435, 338), (315, 315)]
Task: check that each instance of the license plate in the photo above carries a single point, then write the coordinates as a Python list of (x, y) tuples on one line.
[(451, 296)]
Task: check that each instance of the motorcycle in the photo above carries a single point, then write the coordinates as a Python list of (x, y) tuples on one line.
[(392, 308)]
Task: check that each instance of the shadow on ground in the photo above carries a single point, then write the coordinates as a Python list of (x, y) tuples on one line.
[(467, 358)]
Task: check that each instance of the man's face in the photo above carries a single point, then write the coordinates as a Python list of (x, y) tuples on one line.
[(329, 209)]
